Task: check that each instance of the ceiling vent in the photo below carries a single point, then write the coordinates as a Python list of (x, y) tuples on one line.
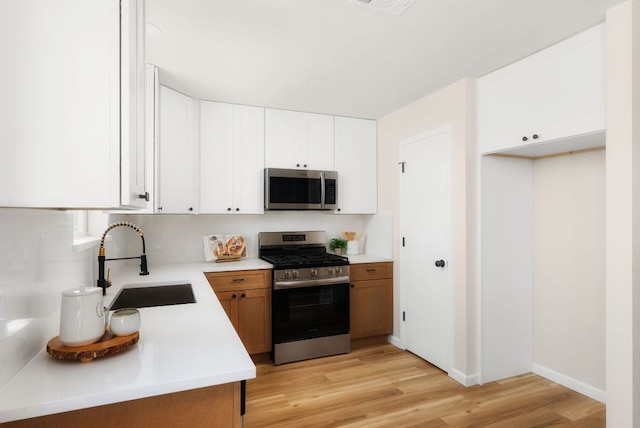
[(394, 7)]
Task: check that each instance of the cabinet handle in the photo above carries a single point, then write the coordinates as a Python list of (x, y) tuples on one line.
[(238, 279), (159, 208), (524, 138), (352, 285), (237, 209), (243, 295), (190, 208), (145, 196), (305, 165), (338, 209), (297, 165), (535, 136), (233, 296)]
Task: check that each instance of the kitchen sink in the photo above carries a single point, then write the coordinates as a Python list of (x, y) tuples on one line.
[(158, 294)]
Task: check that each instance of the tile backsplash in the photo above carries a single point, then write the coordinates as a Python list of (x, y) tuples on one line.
[(37, 262), (178, 238)]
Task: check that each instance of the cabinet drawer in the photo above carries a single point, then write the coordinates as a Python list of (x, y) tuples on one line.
[(364, 271), (239, 280)]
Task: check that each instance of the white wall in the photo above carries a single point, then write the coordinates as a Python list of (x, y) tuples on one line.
[(454, 106), (569, 267), (623, 215), (37, 263)]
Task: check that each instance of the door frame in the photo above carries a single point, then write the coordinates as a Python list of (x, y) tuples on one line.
[(447, 130)]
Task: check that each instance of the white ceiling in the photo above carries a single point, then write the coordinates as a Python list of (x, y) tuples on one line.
[(329, 56)]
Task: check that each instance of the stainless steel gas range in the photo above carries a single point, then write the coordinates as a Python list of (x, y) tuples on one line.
[(310, 299)]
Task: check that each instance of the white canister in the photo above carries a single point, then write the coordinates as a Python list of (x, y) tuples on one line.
[(81, 316), (353, 248)]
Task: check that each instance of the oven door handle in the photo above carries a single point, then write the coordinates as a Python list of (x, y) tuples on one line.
[(283, 285), (322, 190)]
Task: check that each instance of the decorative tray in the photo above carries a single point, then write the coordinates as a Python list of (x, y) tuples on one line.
[(108, 344)]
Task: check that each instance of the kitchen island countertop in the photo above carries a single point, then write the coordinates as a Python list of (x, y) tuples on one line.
[(181, 347)]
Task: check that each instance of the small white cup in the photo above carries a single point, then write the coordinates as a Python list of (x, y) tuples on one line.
[(353, 248), (125, 321)]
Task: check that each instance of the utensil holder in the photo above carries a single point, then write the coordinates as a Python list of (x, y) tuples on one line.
[(353, 248)]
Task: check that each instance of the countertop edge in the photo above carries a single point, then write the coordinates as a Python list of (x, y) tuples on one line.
[(207, 309)]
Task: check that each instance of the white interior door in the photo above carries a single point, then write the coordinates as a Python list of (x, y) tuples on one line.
[(425, 215)]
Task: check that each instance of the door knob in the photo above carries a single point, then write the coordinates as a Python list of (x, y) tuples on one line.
[(439, 263)]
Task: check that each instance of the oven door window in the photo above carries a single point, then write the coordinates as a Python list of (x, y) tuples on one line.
[(295, 190), (310, 312)]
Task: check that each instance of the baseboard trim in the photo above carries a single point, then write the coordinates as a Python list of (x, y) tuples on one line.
[(461, 378), (571, 383), (395, 341)]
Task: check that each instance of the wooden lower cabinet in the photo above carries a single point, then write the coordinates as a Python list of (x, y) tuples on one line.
[(246, 298), (214, 406), (371, 299)]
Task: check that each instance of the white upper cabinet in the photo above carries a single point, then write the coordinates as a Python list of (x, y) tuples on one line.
[(356, 163), (552, 95), (298, 140), (72, 105), (177, 154), (231, 158)]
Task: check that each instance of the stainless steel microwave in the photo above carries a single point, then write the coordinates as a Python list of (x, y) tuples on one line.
[(300, 189)]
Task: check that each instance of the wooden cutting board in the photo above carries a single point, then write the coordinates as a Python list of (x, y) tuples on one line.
[(108, 344)]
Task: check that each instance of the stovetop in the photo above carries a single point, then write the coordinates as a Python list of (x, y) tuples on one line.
[(295, 261), (297, 250)]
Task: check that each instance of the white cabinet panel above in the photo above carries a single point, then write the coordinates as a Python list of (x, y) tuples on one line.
[(555, 94), (298, 140), (72, 105)]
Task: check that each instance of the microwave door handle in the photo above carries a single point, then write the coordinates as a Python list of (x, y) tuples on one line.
[(322, 190)]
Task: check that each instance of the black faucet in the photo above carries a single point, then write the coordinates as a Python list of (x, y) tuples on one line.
[(102, 281)]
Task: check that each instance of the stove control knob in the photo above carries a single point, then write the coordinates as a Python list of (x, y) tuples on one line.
[(296, 274), (338, 271), (287, 274), (332, 271), (314, 273)]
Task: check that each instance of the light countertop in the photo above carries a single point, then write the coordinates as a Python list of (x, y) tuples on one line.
[(181, 347), (367, 258)]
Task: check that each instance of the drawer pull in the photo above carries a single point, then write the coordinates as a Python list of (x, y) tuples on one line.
[(371, 270), (238, 279)]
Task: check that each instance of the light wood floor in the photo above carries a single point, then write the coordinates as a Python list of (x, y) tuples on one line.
[(383, 386)]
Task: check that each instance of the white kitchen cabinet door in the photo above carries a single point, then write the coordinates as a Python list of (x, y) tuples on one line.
[(283, 139), (248, 162), (552, 95), (231, 158), (133, 148), (152, 131), (319, 153), (357, 166), (506, 107), (177, 154), (68, 127), (571, 86), (298, 140)]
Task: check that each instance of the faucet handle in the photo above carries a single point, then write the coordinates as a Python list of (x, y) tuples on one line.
[(143, 265)]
